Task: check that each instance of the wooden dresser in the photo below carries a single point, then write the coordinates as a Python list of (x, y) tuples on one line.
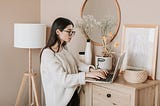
[(121, 93)]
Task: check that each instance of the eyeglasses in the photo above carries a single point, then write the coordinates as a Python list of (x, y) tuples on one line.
[(71, 33)]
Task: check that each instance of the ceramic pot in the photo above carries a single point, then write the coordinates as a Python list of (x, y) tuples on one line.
[(103, 62)]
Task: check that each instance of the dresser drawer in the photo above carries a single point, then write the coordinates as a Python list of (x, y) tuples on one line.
[(108, 97)]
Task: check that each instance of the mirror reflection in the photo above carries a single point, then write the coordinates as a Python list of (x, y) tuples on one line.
[(102, 10)]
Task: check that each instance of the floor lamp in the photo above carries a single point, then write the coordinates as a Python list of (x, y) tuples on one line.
[(29, 36)]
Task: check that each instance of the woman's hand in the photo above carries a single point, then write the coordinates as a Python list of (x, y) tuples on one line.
[(97, 73)]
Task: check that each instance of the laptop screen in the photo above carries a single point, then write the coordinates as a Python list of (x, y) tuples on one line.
[(118, 66)]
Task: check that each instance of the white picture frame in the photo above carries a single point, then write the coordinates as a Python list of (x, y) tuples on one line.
[(140, 43)]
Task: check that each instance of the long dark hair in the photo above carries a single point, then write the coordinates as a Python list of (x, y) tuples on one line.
[(60, 23)]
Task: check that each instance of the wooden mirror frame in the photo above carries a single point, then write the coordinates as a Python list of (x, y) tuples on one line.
[(117, 25), (127, 37)]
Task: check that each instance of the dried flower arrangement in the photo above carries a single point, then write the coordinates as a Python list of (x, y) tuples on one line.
[(107, 45), (86, 24), (106, 27)]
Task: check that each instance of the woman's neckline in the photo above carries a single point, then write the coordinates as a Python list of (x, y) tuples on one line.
[(61, 50)]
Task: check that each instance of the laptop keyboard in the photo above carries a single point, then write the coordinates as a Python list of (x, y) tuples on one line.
[(108, 78)]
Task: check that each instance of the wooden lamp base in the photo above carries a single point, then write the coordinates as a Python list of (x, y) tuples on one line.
[(31, 77)]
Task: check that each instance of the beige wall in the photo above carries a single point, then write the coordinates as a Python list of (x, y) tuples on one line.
[(13, 61), (132, 11)]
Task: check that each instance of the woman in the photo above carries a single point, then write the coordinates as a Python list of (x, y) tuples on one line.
[(60, 70)]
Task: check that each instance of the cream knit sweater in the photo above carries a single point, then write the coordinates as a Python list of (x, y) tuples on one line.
[(60, 77)]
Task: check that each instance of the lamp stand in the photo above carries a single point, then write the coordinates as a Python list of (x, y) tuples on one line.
[(31, 76)]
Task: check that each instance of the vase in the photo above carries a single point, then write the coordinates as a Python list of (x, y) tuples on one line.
[(88, 53), (103, 63)]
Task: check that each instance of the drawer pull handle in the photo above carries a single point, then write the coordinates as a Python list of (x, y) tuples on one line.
[(108, 95), (114, 104)]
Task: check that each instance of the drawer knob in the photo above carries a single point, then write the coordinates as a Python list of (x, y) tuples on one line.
[(108, 95), (114, 104)]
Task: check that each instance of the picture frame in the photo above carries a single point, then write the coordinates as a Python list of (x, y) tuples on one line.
[(140, 42)]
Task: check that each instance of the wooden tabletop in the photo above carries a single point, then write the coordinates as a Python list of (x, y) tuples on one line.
[(121, 82)]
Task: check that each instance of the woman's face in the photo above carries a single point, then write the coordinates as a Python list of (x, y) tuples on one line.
[(67, 34)]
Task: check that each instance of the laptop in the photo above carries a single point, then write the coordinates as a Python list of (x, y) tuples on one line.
[(111, 77)]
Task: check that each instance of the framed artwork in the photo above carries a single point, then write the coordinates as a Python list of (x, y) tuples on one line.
[(140, 43)]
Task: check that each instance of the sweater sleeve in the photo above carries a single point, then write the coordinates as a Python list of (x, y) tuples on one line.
[(84, 67), (81, 65), (54, 72)]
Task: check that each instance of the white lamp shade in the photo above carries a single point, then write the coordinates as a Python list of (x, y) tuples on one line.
[(29, 35)]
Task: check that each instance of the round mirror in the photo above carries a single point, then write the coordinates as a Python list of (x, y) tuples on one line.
[(102, 10)]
